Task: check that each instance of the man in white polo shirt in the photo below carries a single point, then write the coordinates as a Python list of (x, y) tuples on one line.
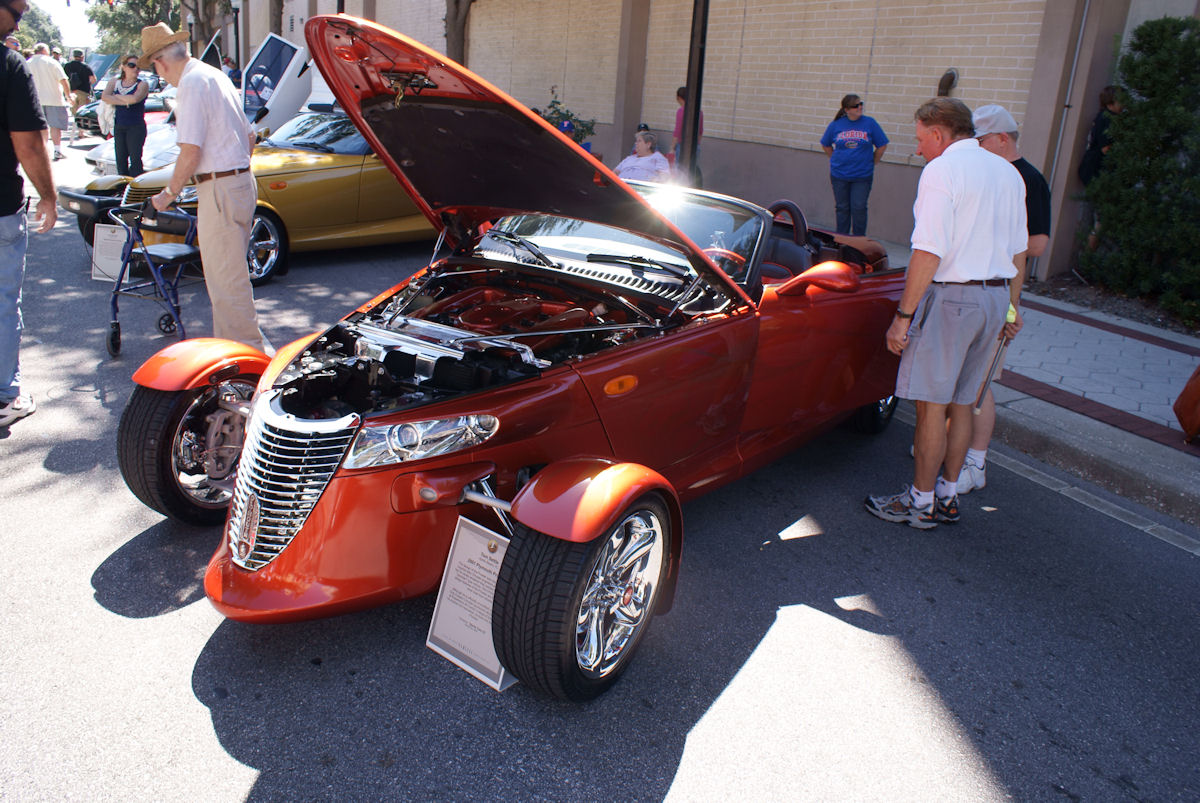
[(215, 141), (968, 264)]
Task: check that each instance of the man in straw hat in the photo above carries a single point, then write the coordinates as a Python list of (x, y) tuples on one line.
[(215, 141)]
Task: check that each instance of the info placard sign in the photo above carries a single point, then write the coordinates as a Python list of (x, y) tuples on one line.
[(461, 629), (107, 246)]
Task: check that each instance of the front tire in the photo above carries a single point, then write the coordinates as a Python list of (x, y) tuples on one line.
[(268, 251), (566, 617), (178, 451)]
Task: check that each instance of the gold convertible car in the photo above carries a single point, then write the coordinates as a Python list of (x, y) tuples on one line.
[(319, 187)]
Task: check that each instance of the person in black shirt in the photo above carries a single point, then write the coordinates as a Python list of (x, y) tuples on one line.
[(81, 80), (22, 120), (996, 131)]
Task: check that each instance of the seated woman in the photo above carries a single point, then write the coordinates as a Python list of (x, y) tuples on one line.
[(646, 163)]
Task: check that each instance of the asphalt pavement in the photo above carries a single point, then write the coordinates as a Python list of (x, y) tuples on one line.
[(1045, 648)]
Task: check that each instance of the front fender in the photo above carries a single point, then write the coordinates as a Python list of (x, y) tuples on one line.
[(580, 499), (193, 363)]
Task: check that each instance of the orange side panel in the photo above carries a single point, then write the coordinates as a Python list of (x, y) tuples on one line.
[(190, 363)]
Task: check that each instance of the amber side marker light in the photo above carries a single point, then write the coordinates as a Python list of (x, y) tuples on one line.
[(619, 386)]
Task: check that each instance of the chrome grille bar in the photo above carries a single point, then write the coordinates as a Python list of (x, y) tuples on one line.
[(286, 464)]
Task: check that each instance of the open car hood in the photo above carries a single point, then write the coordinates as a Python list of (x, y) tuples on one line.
[(467, 152)]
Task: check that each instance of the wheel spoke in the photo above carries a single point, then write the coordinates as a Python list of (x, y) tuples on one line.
[(637, 545), (588, 648)]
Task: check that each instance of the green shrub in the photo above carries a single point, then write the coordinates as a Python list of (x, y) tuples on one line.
[(1147, 198), (565, 120)]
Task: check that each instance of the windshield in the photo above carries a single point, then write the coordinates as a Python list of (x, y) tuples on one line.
[(727, 232), (327, 133)]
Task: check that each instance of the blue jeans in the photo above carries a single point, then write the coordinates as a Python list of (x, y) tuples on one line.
[(13, 239), (850, 200)]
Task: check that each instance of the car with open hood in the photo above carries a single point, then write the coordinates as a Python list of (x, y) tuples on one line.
[(584, 356)]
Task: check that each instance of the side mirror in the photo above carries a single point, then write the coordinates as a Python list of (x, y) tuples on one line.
[(836, 277), (261, 113)]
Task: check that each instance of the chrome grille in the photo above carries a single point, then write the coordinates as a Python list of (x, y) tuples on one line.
[(286, 463), (135, 195)]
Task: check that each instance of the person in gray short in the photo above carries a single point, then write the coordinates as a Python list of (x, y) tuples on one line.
[(968, 262)]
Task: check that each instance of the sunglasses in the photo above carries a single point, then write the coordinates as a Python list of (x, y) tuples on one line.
[(131, 64), (855, 105)]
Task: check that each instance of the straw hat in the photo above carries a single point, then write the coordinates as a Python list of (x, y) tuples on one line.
[(155, 38)]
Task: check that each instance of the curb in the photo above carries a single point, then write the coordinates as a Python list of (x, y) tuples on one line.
[(1157, 476)]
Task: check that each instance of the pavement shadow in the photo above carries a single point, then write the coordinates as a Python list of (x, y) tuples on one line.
[(396, 720), (158, 571), (357, 704)]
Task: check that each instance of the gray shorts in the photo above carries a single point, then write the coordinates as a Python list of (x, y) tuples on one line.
[(56, 117), (951, 343)]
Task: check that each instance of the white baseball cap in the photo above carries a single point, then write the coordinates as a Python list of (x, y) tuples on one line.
[(993, 119)]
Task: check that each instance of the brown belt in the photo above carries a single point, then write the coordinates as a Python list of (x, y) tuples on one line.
[(983, 282), (202, 177)]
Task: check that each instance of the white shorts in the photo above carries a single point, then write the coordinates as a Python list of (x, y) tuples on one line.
[(951, 343)]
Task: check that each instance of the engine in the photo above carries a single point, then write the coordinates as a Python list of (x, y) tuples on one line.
[(451, 332)]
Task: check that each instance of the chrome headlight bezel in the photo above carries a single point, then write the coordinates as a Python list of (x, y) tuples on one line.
[(389, 444)]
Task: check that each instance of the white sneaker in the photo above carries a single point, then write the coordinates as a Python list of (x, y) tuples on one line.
[(16, 409), (972, 477)]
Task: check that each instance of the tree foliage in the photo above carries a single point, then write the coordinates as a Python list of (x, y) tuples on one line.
[(121, 24), (1147, 197), (36, 26)]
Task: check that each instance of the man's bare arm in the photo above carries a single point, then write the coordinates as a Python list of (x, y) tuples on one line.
[(921, 269), (31, 152)]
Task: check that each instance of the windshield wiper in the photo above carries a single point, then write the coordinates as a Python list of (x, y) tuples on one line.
[(639, 262), (516, 239), (308, 143)]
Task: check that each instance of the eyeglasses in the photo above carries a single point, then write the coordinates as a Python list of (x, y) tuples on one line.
[(16, 15), (131, 64), (858, 105)]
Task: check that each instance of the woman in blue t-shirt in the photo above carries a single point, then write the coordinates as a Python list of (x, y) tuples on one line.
[(854, 143)]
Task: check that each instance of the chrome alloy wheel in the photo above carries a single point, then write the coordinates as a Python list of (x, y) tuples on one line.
[(620, 592), (208, 443), (266, 242)]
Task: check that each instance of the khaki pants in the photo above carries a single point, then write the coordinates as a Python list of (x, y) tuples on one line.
[(225, 214), (79, 98)]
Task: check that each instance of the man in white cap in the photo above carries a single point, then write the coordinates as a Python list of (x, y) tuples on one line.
[(997, 132), (215, 141), (968, 258)]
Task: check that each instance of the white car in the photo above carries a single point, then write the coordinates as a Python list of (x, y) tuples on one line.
[(160, 150)]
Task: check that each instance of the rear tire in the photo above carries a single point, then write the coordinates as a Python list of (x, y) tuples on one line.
[(178, 450), (566, 617), (872, 419)]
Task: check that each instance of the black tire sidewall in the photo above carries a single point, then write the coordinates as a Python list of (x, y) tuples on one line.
[(578, 685)]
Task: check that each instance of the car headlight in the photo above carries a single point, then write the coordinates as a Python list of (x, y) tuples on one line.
[(415, 440), (186, 196)]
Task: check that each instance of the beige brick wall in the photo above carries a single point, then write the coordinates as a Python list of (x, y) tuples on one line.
[(526, 47), (777, 69)]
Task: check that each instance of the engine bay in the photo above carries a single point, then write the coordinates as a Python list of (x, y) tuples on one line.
[(459, 328)]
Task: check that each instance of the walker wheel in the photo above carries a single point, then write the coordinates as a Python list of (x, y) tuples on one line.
[(113, 341), (166, 324)]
